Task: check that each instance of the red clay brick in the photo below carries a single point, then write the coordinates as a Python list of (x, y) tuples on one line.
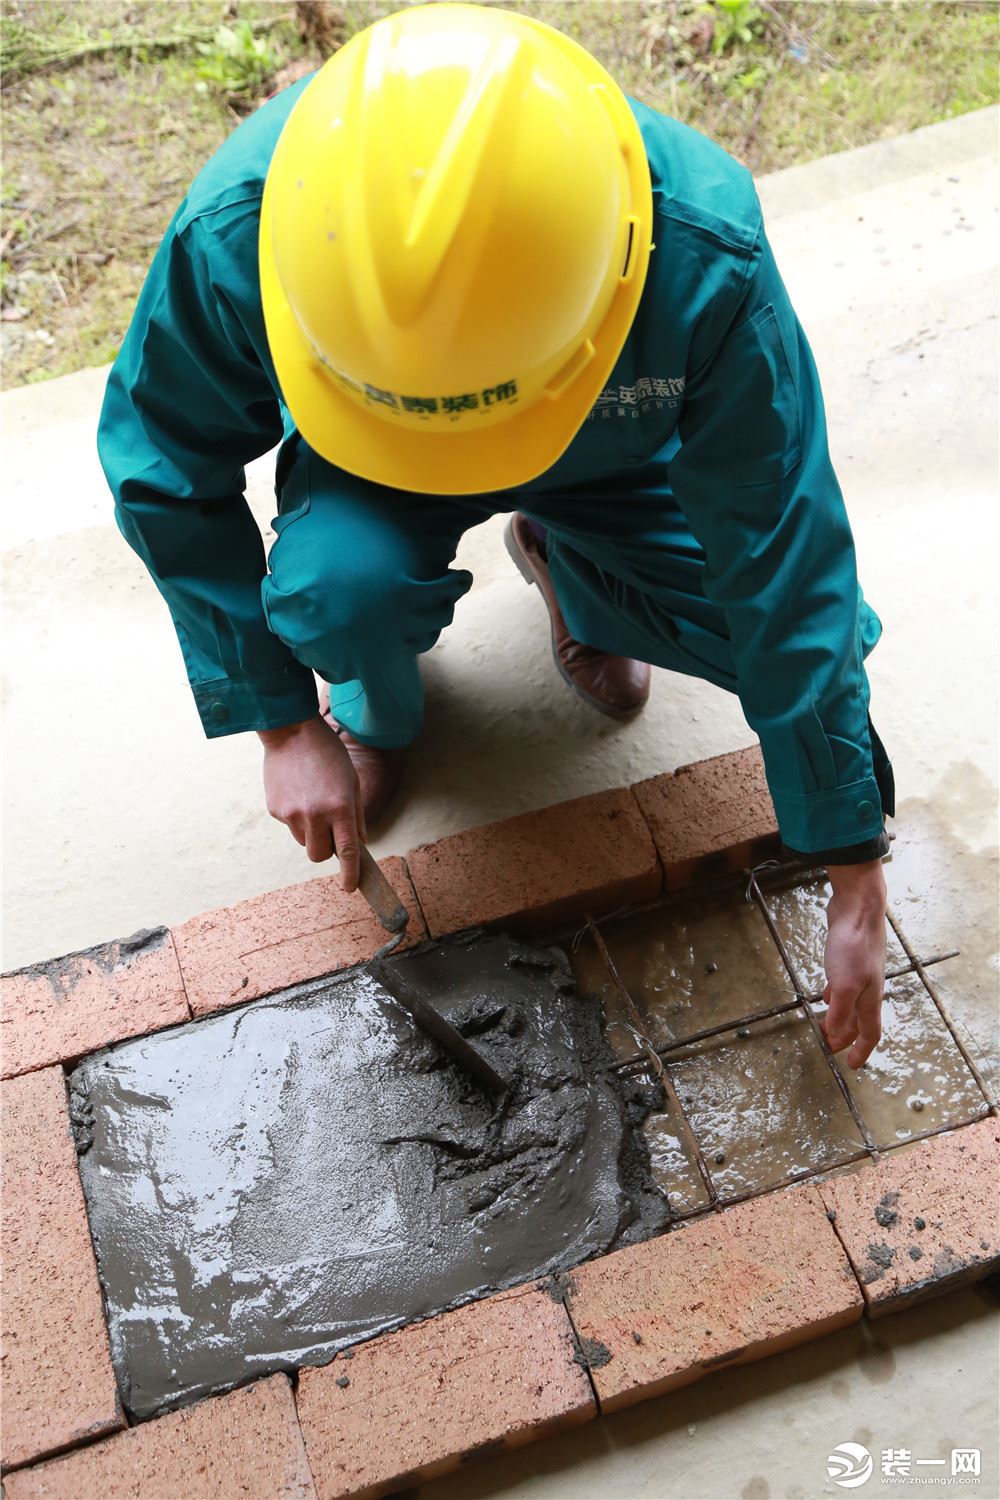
[(717, 812), (412, 1404), (60, 1010), (923, 1221), (244, 1446), (723, 1290), (244, 951), (56, 1382), (539, 870)]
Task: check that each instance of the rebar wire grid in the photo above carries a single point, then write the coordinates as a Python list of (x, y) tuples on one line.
[(653, 1060)]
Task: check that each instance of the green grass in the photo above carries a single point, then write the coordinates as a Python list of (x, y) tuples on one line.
[(98, 151)]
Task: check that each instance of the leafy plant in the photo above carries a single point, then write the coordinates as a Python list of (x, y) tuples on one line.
[(236, 62), (749, 82), (26, 50), (737, 23)]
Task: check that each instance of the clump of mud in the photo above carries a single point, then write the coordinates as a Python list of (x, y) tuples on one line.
[(274, 1183)]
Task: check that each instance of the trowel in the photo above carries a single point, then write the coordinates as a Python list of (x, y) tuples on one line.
[(393, 915)]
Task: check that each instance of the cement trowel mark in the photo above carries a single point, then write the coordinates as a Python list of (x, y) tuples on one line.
[(330, 1177)]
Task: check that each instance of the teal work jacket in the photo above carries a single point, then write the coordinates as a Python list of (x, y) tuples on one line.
[(716, 365)]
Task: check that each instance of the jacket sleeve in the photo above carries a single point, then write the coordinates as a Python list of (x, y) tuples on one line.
[(754, 479), (188, 403)]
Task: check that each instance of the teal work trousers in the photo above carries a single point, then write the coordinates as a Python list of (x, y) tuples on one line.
[(360, 580)]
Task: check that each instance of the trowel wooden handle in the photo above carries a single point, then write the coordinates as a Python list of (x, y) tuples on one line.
[(380, 895)]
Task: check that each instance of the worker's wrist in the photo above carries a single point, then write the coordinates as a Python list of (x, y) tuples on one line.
[(273, 739), (860, 884)]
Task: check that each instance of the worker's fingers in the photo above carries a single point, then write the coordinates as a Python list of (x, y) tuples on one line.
[(840, 1022), (359, 808), (348, 846), (296, 827), (869, 1016), (319, 840), (854, 1021)]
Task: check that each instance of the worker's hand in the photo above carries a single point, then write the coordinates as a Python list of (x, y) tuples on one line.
[(312, 787), (855, 960)]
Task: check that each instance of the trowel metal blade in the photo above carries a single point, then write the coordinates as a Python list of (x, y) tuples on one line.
[(433, 1022)]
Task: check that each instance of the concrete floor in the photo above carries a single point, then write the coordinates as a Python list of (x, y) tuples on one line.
[(119, 815)]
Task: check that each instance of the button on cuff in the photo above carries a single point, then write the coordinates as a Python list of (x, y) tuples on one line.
[(830, 819), (265, 701)]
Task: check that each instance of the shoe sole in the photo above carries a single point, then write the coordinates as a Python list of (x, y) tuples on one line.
[(522, 565)]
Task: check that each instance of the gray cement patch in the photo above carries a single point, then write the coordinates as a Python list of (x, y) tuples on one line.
[(274, 1183)]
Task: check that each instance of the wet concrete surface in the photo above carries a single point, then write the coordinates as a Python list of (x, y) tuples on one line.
[(943, 879), (673, 1163), (698, 961), (764, 1106), (916, 1079), (761, 1099), (273, 1184)]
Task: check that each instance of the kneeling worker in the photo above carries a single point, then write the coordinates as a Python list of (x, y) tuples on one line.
[(457, 272)]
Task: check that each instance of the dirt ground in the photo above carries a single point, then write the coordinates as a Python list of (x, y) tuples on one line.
[(110, 109)]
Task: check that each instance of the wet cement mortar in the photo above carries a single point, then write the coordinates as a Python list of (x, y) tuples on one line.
[(275, 1183), (761, 1098)]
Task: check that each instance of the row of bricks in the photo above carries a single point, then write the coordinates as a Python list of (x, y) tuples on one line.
[(725, 1289), (531, 873)]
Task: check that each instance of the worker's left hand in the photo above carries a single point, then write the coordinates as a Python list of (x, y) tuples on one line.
[(855, 960)]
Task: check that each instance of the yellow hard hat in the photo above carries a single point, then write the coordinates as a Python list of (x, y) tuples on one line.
[(454, 237)]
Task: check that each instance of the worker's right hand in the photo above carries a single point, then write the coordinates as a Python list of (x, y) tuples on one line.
[(312, 787)]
